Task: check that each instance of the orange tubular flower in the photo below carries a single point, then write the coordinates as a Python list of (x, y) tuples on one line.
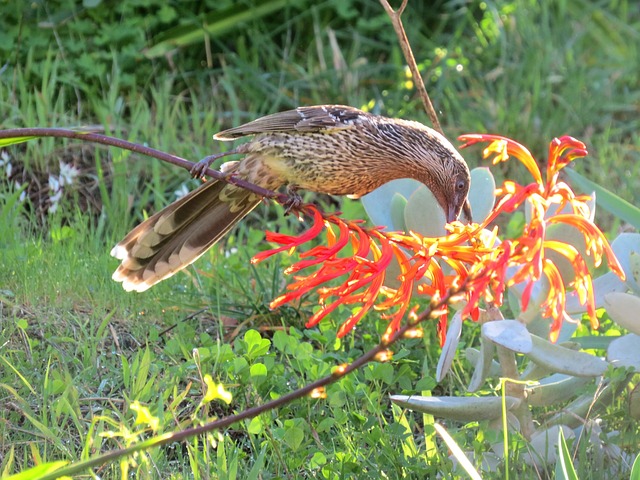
[(351, 268), (528, 254)]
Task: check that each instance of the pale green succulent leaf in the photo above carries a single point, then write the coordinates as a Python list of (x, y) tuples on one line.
[(510, 334), (464, 409), (624, 309), (378, 203), (564, 360), (424, 215), (450, 346), (474, 356), (398, 207), (554, 389), (623, 246), (625, 352), (634, 266), (543, 446), (483, 365), (481, 193)]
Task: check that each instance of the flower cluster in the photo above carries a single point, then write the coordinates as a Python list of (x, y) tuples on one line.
[(68, 174), (529, 255), (351, 268), (7, 171)]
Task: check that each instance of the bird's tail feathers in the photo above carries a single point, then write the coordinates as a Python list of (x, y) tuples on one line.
[(180, 233)]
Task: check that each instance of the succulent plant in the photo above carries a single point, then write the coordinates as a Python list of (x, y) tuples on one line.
[(560, 369)]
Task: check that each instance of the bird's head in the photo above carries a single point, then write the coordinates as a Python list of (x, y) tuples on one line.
[(449, 180), (427, 156), (452, 196)]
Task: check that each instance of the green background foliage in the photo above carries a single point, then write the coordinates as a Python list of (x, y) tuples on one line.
[(529, 70), (76, 350)]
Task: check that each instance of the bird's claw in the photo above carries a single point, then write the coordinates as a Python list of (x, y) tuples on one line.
[(294, 202), (198, 170)]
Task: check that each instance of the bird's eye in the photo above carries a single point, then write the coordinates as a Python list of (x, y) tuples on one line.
[(460, 185)]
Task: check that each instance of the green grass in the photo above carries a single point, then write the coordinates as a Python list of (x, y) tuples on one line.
[(76, 351)]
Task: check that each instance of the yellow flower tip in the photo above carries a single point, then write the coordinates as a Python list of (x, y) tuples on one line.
[(388, 291), (413, 333), (340, 369), (275, 303), (383, 356), (458, 297), (435, 300), (437, 312), (499, 147), (319, 392)]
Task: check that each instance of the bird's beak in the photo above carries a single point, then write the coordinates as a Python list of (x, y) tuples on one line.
[(452, 214), (466, 208)]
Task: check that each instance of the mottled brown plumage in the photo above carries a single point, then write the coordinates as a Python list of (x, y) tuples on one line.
[(331, 149)]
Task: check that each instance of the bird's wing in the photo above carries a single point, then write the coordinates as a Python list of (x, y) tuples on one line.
[(302, 119)]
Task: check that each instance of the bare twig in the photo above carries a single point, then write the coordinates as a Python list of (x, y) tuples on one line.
[(395, 15), (135, 147)]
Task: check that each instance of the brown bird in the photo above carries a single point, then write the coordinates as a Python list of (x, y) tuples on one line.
[(331, 149)]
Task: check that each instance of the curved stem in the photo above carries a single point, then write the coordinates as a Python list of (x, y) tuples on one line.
[(29, 133)]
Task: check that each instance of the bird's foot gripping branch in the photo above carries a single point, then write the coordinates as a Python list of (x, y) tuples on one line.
[(471, 254)]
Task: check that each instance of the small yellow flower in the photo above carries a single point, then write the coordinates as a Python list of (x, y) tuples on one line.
[(144, 417), (216, 391)]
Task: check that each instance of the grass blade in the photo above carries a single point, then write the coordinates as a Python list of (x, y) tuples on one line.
[(457, 452), (258, 467), (635, 470), (565, 465), (38, 471), (5, 142), (214, 24)]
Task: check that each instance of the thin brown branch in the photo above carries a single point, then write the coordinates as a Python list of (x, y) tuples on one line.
[(396, 21), (135, 147)]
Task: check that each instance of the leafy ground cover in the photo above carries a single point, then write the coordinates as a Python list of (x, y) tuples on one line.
[(76, 352)]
